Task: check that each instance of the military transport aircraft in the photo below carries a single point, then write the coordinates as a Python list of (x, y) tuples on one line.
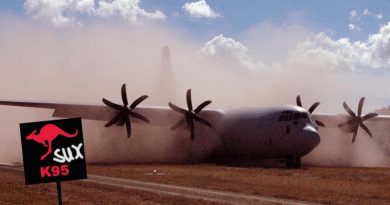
[(282, 132)]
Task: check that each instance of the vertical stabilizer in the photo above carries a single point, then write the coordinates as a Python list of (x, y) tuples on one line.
[(166, 64), (166, 76)]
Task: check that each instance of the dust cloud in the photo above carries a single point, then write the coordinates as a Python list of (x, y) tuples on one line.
[(83, 64)]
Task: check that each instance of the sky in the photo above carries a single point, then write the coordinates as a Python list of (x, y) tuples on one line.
[(351, 19), (333, 38)]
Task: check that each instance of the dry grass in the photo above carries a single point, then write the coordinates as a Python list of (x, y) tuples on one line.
[(13, 191), (315, 184)]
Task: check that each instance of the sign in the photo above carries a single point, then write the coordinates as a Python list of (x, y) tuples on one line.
[(53, 151)]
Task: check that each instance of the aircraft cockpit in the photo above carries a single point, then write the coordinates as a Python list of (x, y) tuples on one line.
[(289, 115)]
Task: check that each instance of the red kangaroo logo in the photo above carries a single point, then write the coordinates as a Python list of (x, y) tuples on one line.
[(47, 134)]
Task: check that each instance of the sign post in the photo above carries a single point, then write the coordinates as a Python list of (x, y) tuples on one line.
[(53, 151), (59, 193)]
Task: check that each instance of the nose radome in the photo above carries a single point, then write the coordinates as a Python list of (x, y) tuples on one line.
[(312, 137)]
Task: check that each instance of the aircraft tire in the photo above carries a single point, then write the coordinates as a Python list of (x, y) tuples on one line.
[(293, 162)]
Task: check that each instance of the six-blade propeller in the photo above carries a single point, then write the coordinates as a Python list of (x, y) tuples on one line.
[(356, 121), (125, 111), (311, 109), (190, 115)]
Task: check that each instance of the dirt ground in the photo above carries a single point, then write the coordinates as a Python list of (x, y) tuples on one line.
[(312, 184), (14, 191)]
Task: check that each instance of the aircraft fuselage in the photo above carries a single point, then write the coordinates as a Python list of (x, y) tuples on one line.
[(273, 132)]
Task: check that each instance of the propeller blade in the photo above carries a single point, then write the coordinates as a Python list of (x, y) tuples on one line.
[(356, 120), (313, 107), (360, 107), (123, 117), (176, 108), (299, 102), (179, 123), (365, 128), (114, 120), (319, 123), (355, 133), (201, 120), (349, 122), (201, 106), (368, 116), (121, 123), (189, 100), (112, 105), (139, 116), (124, 95), (346, 107), (128, 126), (190, 115), (138, 101)]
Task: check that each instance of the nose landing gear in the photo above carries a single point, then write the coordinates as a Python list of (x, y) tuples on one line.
[(293, 162)]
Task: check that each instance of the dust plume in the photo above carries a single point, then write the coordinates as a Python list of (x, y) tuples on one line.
[(83, 64)]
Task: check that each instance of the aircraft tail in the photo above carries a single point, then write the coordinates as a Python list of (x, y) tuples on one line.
[(167, 84), (166, 63)]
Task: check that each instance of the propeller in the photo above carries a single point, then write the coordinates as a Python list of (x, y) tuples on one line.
[(190, 115), (311, 109), (125, 111), (356, 121)]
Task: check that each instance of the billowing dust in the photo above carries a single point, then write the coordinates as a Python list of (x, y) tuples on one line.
[(83, 64)]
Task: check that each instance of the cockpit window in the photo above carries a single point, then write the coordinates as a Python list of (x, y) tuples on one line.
[(289, 115)]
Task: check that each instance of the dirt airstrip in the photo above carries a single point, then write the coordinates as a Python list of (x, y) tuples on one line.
[(310, 184)]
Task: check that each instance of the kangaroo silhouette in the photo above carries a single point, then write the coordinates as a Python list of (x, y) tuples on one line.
[(48, 133)]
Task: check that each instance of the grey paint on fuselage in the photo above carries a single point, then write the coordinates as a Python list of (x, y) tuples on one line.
[(259, 132)]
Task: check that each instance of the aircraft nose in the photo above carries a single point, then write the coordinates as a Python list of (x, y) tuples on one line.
[(312, 137)]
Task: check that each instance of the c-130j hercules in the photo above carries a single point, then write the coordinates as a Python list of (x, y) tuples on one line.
[(282, 132)]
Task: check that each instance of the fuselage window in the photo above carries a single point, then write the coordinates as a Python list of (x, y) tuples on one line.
[(290, 115), (284, 116)]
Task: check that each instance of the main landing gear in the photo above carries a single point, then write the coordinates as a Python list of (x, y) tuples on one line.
[(293, 162)]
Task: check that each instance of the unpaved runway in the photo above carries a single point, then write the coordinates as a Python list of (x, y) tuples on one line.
[(181, 191)]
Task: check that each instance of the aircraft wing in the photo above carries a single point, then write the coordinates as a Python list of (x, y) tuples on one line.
[(333, 120), (161, 116)]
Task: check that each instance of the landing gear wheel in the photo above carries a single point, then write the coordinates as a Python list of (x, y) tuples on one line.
[(293, 162)]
